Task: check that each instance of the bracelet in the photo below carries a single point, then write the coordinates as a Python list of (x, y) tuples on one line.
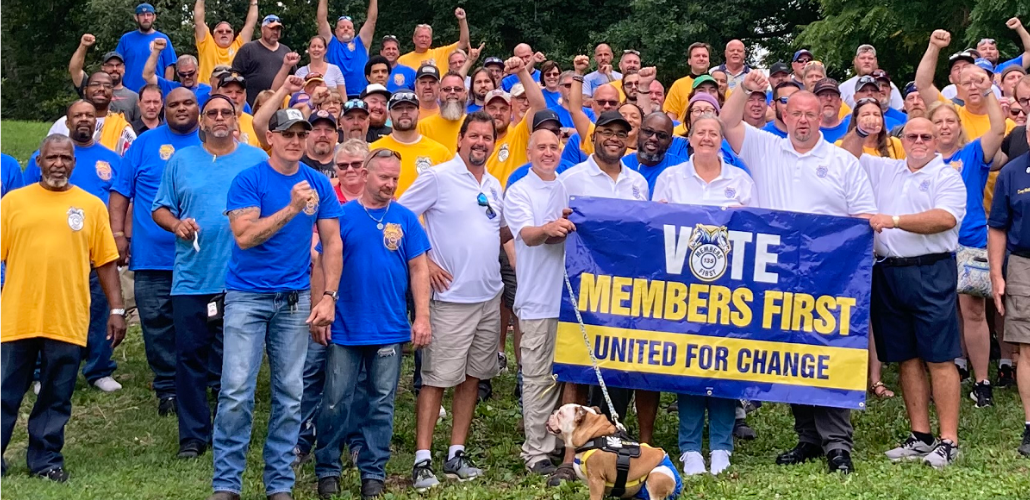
[(577, 78), (861, 133), (117, 312)]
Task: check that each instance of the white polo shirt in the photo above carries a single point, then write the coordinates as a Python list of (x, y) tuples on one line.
[(587, 179), (533, 202), (681, 184), (464, 240), (826, 180), (899, 191)]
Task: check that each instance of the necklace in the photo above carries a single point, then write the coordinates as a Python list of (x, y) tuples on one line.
[(379, 221)]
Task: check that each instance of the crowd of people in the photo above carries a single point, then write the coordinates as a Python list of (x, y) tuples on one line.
[(331, 213)]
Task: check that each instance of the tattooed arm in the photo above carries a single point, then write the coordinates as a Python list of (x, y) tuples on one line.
[(251, 230)]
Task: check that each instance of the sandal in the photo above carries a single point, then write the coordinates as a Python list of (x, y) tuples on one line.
[(881, 391)]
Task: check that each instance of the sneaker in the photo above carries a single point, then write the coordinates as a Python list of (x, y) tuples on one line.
[(1024, 449), (982, 394), (693, 463), (502, 362), (107, 384), (542, 468), (372, 488), (486, 390), (166, 406), (720, 460), (422, 477), (564, 472), (912, 449), (57, 475), (35, 387), (1006, 376), (943, 455), (328, 487), (460, 467), (963, 374)]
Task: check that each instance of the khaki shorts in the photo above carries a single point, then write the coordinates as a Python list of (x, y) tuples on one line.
[(465, 342), (1017, 300)]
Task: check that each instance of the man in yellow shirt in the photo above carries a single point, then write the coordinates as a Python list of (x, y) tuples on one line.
[(423, 40), (54, 234), (679, 93), (417, 152), (427, 87), (512, 139), (444, 126), (219, 46)]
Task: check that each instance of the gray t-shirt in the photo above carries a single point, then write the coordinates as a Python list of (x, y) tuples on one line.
[(258, 65), (123, 101)]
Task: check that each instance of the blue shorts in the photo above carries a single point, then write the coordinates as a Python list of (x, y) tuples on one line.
[(643, 495), (914, 311)]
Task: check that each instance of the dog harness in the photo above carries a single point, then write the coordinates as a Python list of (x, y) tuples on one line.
[(624, 450)]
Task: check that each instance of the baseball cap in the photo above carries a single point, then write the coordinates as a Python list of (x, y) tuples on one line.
[(427, 70), (909, 88), (144, 8), (404, 96), (985, 65), (830, 84), (703, 79), (779, 67), (375, 88), (610, 117), (862, 82), (314, 76), (232, 77), (517, 90), (879, 74), (802, 52), (112, 55), (272, 21), (286, 118), (1013, 68), (317, 116), (497, 93), (355, 105), (493, 60), (544, 116), (964, 55)]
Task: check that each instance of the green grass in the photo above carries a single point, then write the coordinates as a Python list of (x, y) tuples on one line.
[(19, 139), (118, 448)]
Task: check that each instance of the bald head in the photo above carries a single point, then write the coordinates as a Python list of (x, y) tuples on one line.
[(606, 98), (544, 152), (603, 54), (734, 53)]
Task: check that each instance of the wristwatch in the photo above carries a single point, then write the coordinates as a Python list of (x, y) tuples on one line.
[(897, 221), (333, 295), (117, 312)]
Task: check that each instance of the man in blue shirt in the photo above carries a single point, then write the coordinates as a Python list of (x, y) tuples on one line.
[(134, 47), (152, 253), (401, 76), (189, 204), (651, 157), (603, 56), (10, 179), (525, 52), (96, 169), (185, 68), (347, 51), (273, 207), (384, 250)]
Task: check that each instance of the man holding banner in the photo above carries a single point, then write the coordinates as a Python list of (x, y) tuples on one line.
[(914, 300), (803, 173)]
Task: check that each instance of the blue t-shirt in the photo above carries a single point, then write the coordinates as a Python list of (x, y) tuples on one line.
[(572, 153), (523, 171), (194, 185), (553, 99), (401, 77), (351, 58), (835, 133), (893, 118), (1010, 208), (135, 48), (372, 309), (96, 169), (281, 263), (10, 171), (771, 128), (509, 81), (472, 108), (680, 147), (202, 89), (970, 162), (651, 173), (139, 178), (1018, 60), (566, 117)]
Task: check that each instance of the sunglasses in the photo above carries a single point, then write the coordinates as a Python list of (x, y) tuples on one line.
[(215, 113), (631, 51), (866, 100), (343, 18), (606, 102), (354, 164), (803, 60), (1016, 112), (782, 100), (390, 37), (662, 136), (380, 153), (918, 137), (987, 40), (190, 74), (290, 134), (484, 202), (451, 90)]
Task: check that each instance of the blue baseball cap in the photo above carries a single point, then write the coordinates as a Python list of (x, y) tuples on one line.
[(802, 52), (144, 8), (985, 65), (272, 21)]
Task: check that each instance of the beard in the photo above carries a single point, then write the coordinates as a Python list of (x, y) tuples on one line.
[(452, 110), (803, 136), (651, 157), (81, 135), (404, 125), (55, 183), (219, 133), (478, 156)]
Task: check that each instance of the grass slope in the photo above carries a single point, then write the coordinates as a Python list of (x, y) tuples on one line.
[(19, 139)]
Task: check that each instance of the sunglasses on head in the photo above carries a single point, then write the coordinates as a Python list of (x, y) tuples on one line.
[(343, 18), (381, 153), (866, 100), (631, 51), (987, 40), (484, 202)]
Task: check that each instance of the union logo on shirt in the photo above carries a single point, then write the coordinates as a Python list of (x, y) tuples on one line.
[(924, 186), (502, 154), (398, 79), (957, 165), (422, 163), (76, 218), (312, 205), (821, 171), (166, 151), (104, 170), (392, 235), (730, 192)]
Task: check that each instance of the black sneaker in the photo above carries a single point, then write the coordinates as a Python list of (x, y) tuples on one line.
[(300, 457), (743, 431), (963, 374), (801, 453), (372, 488), (166, 406), (328, 487), (486, 389), (191, 449), (1024, 449), (1006, 376), (57, 475), (982, 394)]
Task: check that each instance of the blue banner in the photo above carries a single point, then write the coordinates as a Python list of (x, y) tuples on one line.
[(733, 303)]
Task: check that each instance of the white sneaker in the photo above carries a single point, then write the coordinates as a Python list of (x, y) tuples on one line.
[(720, 461), (693, 463), (107, 384), (443, 415), (35, 388)]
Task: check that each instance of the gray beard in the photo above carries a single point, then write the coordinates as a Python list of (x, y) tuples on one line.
[(452, 110), (56, 184), (651, 158)]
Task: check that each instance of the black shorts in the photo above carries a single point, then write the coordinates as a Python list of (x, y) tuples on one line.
[(508, 277), (914, 311)]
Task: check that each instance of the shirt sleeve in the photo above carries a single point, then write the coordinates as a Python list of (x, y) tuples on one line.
[(417, 242), (950, 195), (422, 193), (859, 189), (663, 185), (167, 86), (1000, 217), (32, 174), (167, 195), (756, 145), (873, 166), (750, 196), (977, 152), (102, 249), (124, 182), (243, 192), (518, 211)]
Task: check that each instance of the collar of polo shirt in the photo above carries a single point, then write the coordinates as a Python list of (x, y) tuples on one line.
[(595, 169), (821, 149)]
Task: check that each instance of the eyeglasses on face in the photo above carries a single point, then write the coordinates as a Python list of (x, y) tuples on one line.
[(354, 164), (662, 136), (290, 134), (215, 113), (1024, 102), (451, 90), (607, 133), (482, 200), (104, 85), (918, 137)]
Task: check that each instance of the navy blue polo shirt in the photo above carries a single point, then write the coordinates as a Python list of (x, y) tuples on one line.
[(1010, 209)]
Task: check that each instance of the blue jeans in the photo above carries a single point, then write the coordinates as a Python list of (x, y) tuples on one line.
[(382, 365), (153, 290), (198, 346), (98, 351), (255, 322), (721, 417), (311, 401), (58, 371)]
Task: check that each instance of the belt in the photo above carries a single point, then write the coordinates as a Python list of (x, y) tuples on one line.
[(1022, 253), (920, 260)]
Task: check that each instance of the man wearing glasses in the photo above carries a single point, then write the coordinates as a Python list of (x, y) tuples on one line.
[(423, 40), (653, 141), (123, 100), (798, 62), (185, 69), (781, 94), (113, 130), (347, 50), (443, 127), (219, 46), (462, 205), (273, 207), (988, 48), (1015, 143)]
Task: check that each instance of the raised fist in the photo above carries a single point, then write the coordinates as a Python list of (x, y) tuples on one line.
[(1013, 24), (940, 38), (981, 81), (580, 63), (755, 81), (291, 59), (87, 40), (539, 57), (870, 124), (514, 65), (158, 45), (459, 13), (293, 84), (647, 75)]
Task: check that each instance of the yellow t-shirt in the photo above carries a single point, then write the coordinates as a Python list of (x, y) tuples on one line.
[(894, 149), (209, 54), (618, 86), (50, 238), (415, 157), (437, 57), (442, 131), (678, 96), (509, 152), (845, 110), (247, 134), (427, 113)]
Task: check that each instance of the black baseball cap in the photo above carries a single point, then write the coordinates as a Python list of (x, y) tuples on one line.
[(321, 115), (493, 60), (610, 117), (355, 105), (112, 55), (779, 67), (544, 116), (829, 84), (427, 70), (404, 96), (286, 118), (965, 55)]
